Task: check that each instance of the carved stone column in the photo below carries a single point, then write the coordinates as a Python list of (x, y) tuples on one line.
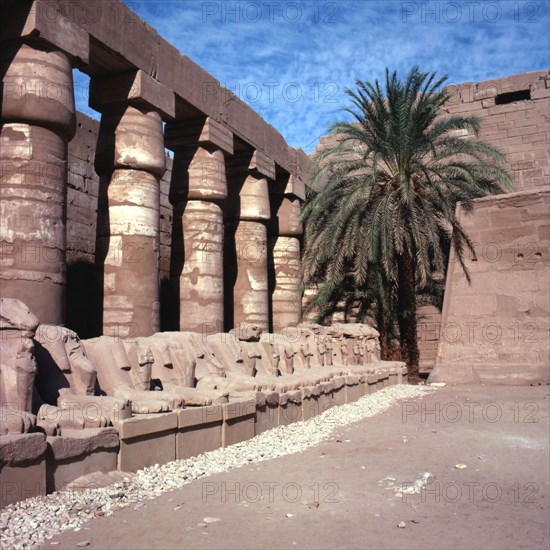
[(38, 120), (287, 264), (198, 191), (130, 159), (248, 212)]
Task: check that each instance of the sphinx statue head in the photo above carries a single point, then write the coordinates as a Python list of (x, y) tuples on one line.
[(17, 366), (62, 363)]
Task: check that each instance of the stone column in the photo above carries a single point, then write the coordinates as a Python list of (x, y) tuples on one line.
[(248, 212), (287, 264), (130, 160), (38, 120), (198, 191)]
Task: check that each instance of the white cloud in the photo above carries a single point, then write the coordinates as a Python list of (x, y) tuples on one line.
[(292, 60)]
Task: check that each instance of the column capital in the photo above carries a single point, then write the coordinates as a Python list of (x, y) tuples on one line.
[(39, 22), (200, 131), (134, 87), (288, 217)]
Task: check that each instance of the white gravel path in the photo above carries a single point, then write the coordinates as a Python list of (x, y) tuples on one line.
[(31, 522)]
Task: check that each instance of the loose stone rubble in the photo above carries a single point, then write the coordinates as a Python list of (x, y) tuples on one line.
[(33, 521)]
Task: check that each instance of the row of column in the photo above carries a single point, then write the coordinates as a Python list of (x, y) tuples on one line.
[(221, 199)]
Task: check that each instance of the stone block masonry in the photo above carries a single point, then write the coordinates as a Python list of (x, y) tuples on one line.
[(496, 330)]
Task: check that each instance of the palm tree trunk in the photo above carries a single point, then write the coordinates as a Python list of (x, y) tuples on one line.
[(385, 346), (407, 315), (384, 328)]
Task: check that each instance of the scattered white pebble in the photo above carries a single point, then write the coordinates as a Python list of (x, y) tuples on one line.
[(208, 519), (460, 466)]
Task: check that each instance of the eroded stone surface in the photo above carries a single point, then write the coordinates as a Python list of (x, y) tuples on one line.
[(496, 328)]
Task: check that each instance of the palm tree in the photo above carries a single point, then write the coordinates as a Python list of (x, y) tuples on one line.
[(383, 196)]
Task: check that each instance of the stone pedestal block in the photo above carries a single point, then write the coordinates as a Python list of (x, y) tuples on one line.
[(310, 406), (80, 452), (290, 408), (147, 439), (289, 413), (267, 418), (199, 430), (238, 421), (325, 399), (354, 389), (372, 381), (22, 467), (339, 392)]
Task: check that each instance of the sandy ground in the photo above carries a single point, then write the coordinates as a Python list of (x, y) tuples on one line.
[(347, 492)]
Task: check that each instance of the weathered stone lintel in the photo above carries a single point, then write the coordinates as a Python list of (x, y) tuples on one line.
[(132, 87), (262, 164), (296, 187), (199, 132)]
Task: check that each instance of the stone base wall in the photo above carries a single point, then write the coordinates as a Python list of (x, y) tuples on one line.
[(33, 465), (429, 328)]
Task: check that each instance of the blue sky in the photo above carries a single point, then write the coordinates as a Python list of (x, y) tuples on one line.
[(292, 60)]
